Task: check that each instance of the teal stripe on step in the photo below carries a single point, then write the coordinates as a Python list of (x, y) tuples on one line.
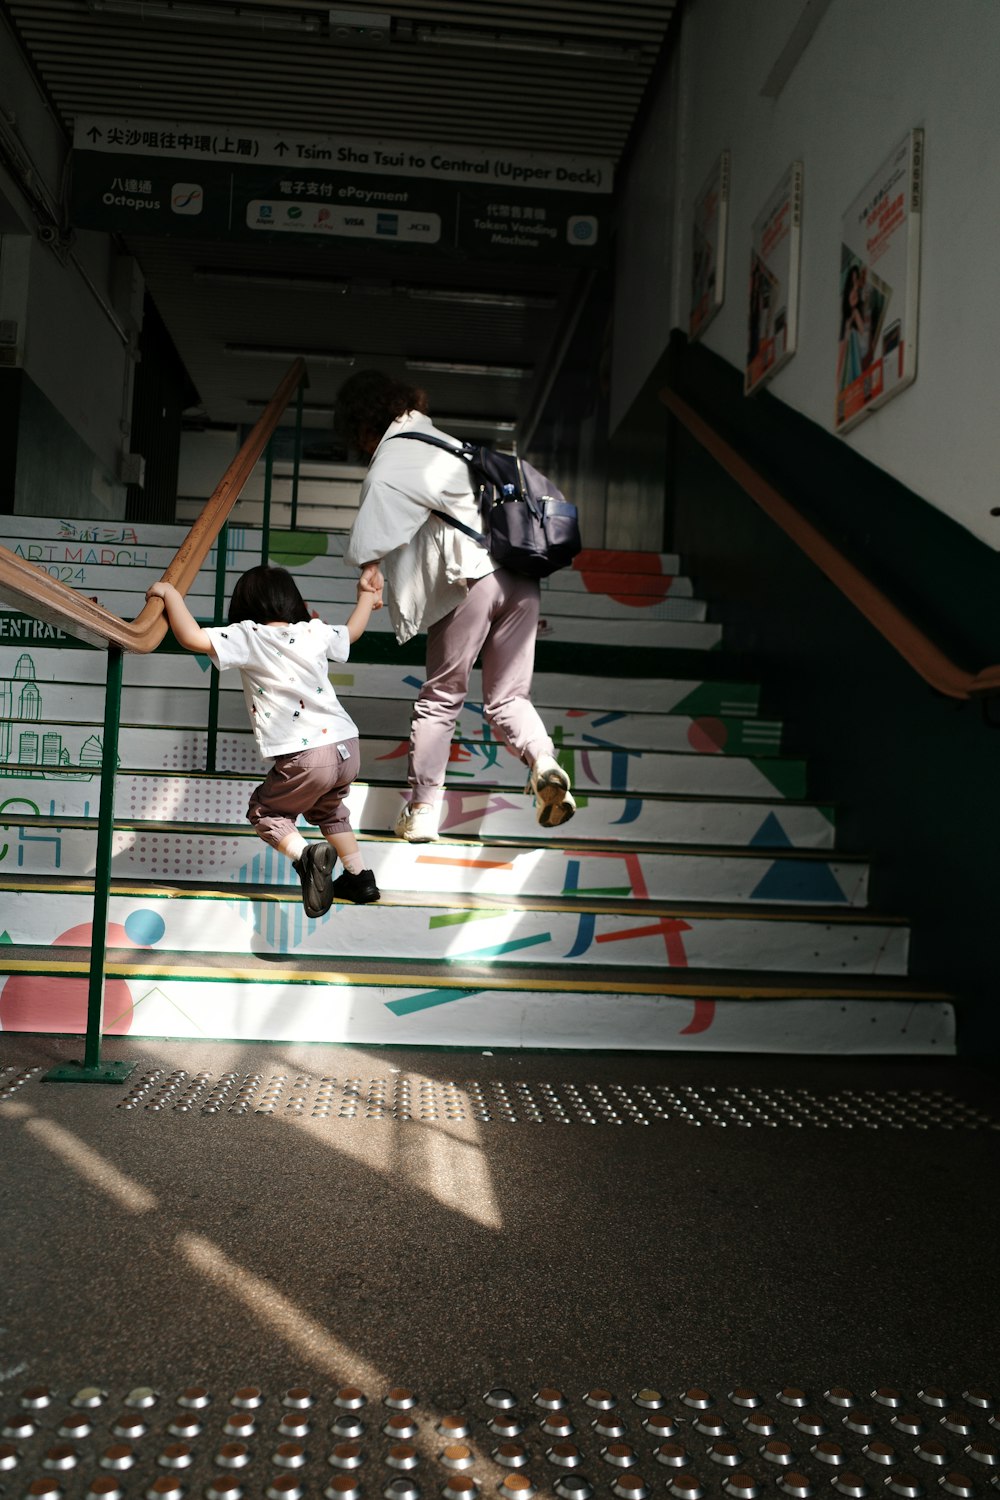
[(427, 1001), (513, 946)]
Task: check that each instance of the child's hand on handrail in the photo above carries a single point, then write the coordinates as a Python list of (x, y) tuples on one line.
[(182, 622)]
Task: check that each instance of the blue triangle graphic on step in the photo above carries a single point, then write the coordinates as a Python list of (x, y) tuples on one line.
[(770, 835), (799, 880)]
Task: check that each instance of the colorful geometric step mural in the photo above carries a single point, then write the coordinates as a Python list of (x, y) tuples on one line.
[(697, 900)]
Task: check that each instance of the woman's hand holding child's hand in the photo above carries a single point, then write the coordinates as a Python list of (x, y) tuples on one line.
[(372, 582), (366, 589)]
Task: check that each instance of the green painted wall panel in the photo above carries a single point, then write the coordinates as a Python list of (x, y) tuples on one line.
[(914, 774)]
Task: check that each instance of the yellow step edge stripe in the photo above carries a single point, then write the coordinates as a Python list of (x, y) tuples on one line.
[(417, 980)]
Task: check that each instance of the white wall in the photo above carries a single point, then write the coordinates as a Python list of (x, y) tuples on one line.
[(646, 253), (870, 72)]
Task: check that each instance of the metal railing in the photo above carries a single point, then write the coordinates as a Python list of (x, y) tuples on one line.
[(917, 649), (32, 590)]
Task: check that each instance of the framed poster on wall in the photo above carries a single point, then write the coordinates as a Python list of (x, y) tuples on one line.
[(708, 247), (774, 281), (879, 286)]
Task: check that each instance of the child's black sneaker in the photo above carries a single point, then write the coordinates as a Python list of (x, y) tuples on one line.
[(357, 888), (314, 868)]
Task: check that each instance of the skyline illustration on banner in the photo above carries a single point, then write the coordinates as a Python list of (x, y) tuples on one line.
[(20, 701)]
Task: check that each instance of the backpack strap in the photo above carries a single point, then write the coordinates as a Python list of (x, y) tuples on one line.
[(426, 437), (460, 452)]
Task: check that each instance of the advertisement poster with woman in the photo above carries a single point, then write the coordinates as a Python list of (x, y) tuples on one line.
[(879, 286), (774, 281), (708, 247)]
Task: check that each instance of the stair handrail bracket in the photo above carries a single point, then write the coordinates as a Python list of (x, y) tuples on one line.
[(917, 649), (32, 590)]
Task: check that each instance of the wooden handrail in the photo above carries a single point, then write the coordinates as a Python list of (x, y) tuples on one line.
[(29, 588), (927, 659)]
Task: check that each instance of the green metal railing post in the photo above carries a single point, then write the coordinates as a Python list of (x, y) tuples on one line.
[(265, 534), (92, 1070), (221, 557), (297, 456)]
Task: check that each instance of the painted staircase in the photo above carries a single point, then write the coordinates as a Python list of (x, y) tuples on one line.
[(697, 900)]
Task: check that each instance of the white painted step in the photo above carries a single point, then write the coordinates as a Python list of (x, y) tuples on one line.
[(614, 695), (292, 1007), (84, 542), (246, 925), (64, 688), (116, 561), (675, 635), (98, 557), (238, 857), (315, 508), (82, 704), (478, 764), (332, 594), (618, 580), (221, 801), (628, 772), (684, 876)]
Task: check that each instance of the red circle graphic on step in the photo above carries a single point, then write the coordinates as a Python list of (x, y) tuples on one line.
[(627, 577), (37, 1002), (707, 736)]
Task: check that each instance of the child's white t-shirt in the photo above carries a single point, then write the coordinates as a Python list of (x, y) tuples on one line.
[(286, 685)]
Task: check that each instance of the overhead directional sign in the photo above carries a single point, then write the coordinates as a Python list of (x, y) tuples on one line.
[(238, 183)]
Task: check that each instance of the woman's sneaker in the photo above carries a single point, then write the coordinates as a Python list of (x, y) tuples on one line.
[(418, 825), (549, 784), (314, 868), (358, 888)]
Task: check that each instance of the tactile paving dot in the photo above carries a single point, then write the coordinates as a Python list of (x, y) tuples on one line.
[(253, 1440), (496, 1102), (12, 1079)]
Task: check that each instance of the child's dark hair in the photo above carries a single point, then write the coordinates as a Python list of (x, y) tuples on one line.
[(265, 594)]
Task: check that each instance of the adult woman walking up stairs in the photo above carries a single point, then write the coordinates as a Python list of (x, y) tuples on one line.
[(440, 581)]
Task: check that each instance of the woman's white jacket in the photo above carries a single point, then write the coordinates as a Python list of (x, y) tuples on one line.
[(426, 562)]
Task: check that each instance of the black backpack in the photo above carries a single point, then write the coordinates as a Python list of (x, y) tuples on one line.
[(529, 525)]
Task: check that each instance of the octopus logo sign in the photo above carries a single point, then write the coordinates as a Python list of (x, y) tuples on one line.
[(187, 198)]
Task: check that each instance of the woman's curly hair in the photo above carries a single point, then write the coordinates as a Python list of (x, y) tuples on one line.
[(369, 401)]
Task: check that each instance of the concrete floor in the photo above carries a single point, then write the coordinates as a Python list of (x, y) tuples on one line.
[(165, 1247)]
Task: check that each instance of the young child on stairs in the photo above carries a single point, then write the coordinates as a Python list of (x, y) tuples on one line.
[(297, 720)]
